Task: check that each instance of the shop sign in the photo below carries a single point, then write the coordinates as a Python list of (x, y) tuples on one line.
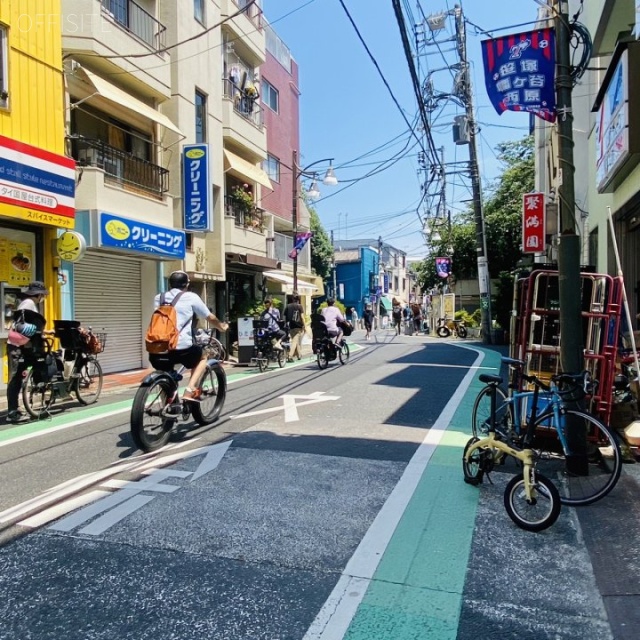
[(140, 237), (42, 182), (385, 281), (196, 185), (533, 222), (245, 332), (71, 246), (612, 126)]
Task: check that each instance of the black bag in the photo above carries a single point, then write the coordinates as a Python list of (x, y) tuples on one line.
[(346, 327)]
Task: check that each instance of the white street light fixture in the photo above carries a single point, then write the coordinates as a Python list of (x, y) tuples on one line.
[(330, 177), (314, 192)]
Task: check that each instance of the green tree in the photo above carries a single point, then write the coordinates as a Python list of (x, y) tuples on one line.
[(502, 209), (321, 249)]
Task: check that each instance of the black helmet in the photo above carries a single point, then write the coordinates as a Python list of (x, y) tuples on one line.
[(178, 280)]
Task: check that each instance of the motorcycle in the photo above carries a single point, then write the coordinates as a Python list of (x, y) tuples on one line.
[(446, 327)]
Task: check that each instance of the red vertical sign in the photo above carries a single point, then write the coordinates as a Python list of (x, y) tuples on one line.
[(533, 222)]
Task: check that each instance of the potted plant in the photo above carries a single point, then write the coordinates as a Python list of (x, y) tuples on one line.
[(242, 198)]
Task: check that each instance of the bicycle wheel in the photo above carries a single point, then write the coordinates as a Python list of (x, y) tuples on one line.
[(282, 357), (481, 413), (262, 363), (323, 359), (462, 332), (343, 353), (443, 332), (605, 458), (37, 397), (473, 468), (150, 426), (88, 384), (538, 514), (214, 393)]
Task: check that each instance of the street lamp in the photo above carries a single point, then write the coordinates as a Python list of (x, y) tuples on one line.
[(297, 172)]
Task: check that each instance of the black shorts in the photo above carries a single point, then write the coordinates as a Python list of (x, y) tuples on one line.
[(189, 358)]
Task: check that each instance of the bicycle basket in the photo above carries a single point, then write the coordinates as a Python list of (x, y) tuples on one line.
[(347, 328), (94, 343), (260, 324), (67, 332)]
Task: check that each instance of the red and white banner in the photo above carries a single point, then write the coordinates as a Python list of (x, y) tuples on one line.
[(533, 223), (40, 182)]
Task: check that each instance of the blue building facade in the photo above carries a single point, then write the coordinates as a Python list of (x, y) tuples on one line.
[(357, 275)]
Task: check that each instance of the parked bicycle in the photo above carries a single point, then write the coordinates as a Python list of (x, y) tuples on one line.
[(157, 405), (49, 380), (263, 349), (530, 498), (446, 327), (550, 430)]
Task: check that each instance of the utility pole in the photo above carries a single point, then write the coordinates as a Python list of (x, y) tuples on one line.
[(334, 292), (380, 281), (484, 281), (571, 339)]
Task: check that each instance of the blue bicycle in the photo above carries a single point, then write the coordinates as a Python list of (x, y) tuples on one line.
[(550, 433)]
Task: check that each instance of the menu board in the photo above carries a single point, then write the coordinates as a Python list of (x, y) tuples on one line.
[(16, 262)]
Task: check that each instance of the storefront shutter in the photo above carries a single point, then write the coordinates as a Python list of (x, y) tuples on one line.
[(108, 297)]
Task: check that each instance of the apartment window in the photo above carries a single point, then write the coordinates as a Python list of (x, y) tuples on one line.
[(201, 117), (198, 11), (270, 96), (4, 68), (272, 167)]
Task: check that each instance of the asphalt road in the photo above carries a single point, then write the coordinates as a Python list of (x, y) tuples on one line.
[(246, 534)]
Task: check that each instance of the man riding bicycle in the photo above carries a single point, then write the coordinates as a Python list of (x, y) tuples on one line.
[(189, 308), (331, 317)]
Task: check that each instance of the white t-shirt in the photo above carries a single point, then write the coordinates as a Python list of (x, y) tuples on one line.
[(188, 305)]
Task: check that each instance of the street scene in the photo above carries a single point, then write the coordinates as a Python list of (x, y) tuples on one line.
[(319, 320), (343, 516)]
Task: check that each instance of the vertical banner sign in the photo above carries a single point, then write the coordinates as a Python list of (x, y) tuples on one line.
[(443, 267), (533, 222), (519, 73), (385, 282), (196, 185)]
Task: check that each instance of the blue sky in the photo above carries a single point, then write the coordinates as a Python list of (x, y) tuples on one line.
[(346, 111)]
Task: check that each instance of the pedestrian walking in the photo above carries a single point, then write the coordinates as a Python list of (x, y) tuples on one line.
[(294, 315), (367, 318), (417, 317), (396, 314)]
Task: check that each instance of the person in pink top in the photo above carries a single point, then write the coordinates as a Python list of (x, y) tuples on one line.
[(331, 316)]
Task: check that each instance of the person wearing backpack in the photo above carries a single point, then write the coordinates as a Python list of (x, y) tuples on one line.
[(170, 336), (294, 315)]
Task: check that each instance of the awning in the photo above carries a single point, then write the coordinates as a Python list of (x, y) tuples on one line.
[(303, 286), (116, 95), (245, 169), (386, 303)]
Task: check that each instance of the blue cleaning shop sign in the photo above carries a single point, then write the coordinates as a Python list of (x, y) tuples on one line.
[(140, 237), (196, 184)]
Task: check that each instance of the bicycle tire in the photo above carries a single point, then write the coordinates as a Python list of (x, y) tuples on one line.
[(214, 393), (88, 384), (443, 332), (537, 515), (262, 364), (323, 359), (462, 332), (473, 469), (343, 353), (37, 397), (282, 357), (150, 402), (605, 459), (481, 413)]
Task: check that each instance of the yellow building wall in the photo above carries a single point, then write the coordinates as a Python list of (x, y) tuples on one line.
[(36, 98)]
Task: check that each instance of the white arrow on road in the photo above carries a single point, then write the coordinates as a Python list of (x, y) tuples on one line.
[(290, 406)]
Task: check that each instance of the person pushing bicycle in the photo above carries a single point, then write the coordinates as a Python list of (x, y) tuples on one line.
[(189, 308)]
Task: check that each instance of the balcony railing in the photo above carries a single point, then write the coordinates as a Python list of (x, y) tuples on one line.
[(251, 218), (244, 106), (119, 166), (252, 11), (134, 19)]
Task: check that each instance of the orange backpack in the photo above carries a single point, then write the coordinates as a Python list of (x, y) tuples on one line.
[(163, 331)]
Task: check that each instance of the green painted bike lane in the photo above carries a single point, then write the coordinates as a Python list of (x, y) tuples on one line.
[(416, 591)]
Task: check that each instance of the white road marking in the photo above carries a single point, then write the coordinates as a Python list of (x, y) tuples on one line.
[(113, 516), (212, 460), (335, 616), (290, 406), (59, 510)]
